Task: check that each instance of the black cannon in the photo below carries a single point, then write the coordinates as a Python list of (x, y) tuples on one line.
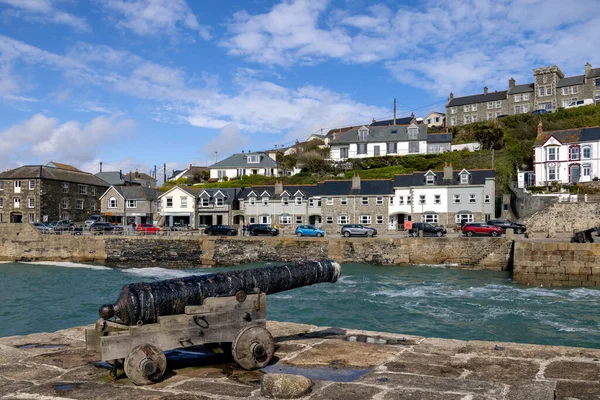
[(210, 310), (584, 236)]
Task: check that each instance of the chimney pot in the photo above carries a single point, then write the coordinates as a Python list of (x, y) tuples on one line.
[(451, 95), (356, 182), (485, 90)]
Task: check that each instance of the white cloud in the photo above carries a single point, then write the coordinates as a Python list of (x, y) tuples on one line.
[(229, 138), (44, 11), (40, 138), (155, 17)]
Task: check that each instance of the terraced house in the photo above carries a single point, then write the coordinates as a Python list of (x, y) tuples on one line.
[(549, 90), (44, 193)]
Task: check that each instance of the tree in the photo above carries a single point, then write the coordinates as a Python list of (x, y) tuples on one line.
[(490, 135)]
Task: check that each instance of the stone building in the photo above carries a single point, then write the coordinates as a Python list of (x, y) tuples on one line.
[(50, 192), (127, 204), (142, 179), (550, 90), (216, 206)]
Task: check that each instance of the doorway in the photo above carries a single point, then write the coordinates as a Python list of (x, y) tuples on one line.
[(16, 218)]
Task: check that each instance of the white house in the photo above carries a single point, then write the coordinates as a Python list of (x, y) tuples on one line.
[(244, 164), (568, 156), (435, 119), (178, 207), (445, 197)]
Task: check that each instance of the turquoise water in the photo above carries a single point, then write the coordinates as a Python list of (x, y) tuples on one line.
[(418, 300)]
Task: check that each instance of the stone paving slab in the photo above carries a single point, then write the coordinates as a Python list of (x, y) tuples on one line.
[(383, 366)]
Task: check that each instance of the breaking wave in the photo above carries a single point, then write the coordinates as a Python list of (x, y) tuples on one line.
[(67, 264)]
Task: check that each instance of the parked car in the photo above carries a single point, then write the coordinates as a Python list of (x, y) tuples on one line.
[(100, 228), (542, 111), (147, 229), (62, 225), (262, 229), (220, 230), (480, 228), (428, 229), (42, 227), (358, 230), (94, 218), (580, 103), (506, 224), (309, 230)]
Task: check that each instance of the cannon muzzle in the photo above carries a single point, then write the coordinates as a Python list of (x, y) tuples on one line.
[(142, 303)]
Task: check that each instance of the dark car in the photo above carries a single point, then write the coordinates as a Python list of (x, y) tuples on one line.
[(358, 230), (542, 111), (428, 229), (100, 228), (62, 225), (480, 228), (220, 230), (42, 227), (262, 229), (506, 224)]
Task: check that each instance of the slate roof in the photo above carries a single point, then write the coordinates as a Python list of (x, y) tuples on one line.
[(115, 178), (340, 131), (399, 121), (477, 98), (140, 175), (381, 134), (478, 177), (439, 138), (594, 73), (571, 81), (368, 187), (230, 193), (54, 164), (138, 192), (192, 191), (239, 160), (589, 134), (570, 135), (307, 190), (525, 88), (52, 173)]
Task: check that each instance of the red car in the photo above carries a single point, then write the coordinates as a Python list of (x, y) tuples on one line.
[(480, 228), (147, 228)]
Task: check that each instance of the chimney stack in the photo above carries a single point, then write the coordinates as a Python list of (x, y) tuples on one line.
[(447, 171), (356, 181), (588, 68), (394, 112), (485, 90), (120, 174), (511, 83), (373, 121), (100, 166), (540, 128), (451, 96), (278, 189)]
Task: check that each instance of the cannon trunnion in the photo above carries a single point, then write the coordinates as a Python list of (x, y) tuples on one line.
[(236, 316)]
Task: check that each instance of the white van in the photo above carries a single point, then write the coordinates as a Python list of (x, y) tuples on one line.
[(580, 103)]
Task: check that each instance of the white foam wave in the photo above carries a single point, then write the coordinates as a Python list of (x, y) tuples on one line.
[(66, 264), (282, 296), (566, 328), (346, 280), (157, 272), (409, 292)]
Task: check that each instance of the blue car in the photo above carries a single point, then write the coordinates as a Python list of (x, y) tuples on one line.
[(309, 230)]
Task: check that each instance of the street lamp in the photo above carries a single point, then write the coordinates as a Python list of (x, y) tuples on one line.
[(215, 157)]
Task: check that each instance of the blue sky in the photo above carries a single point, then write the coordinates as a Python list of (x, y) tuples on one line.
[(138, 83)]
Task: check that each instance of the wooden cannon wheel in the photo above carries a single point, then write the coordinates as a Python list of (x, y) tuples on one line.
[(145, 364), (253, 347)]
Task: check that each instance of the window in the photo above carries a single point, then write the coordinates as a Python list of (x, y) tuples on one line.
[(298, 201), (413, 133), (552, 174), (474, 107), (597, 80), (437, 199), (285, 200), (131, 203), (219, 201), (92, 190), (498, 103), (31, 218), (437, 119), (79, 204), (265, 219), (456, 198), (361, 148), (517, 109), (362, 134), (490, 105), (31, 185), (298, 219), (428, 121), (597, 97), (65, 204), (525, 108), (1, 185), (466, 108), (343, 152), (429, 179), (565, 90), (587, 152), (573, 89), (464, 179), (472, 198), (311, 202), (169, 202), (265, 201), (498, 113), (401, 200), (474, 118), (112, 203), (65, 187), (460, 218), (253, 159), (517, 98), (413, 147), (487, 198), (329, 201), (329, 219), (467, 119), (252, 220), (342, 219), (183, 200), (364, 201), (1, 202), (453, 109), (525, 96), (251, 201), (344, 201), (551, 153), (421, 199), (83, 189), (587, 170), (565, 103), (574, 153), (285, 219), (204, 201), (364, 219), (392, 148), (379, 219), (30, 202), (391, 201), (548, 90), (17, 202), (92, 205), (490, 116), (541, 91), (430, 218), (17, 186), (376, 152), (408, 199), (379, 201), (453, 121)]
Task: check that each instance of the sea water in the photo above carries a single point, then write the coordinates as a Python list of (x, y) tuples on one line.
[(431, 301)]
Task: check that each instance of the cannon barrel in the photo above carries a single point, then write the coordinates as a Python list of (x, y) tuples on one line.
[(143, 303)]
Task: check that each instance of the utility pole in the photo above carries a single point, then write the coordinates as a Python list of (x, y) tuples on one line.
[(154, 171), (165, 172)]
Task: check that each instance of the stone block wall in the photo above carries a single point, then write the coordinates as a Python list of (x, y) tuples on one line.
[(565, 218), (557, 264)]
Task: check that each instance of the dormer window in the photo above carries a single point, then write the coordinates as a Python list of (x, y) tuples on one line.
[(464, 179), (219, 201), (205, 202), (413, 132), (253, 159), (362, 134), (430, 180), (298, 201), (285, 200), (251, 201), (265, 201)]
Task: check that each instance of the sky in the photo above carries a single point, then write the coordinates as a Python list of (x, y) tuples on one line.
[(139, 83)]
